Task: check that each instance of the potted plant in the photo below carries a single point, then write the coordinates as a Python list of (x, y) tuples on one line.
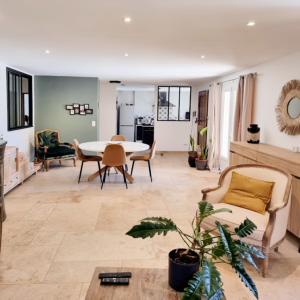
[(202, 154), (194, 269), (192, 153)]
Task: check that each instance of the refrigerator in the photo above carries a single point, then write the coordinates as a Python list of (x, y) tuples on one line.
[(126, 121)]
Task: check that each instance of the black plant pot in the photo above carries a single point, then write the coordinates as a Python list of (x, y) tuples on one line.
[(192, 158), (181, 272)]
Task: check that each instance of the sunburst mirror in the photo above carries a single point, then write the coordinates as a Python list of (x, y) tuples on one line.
[(288, 108)]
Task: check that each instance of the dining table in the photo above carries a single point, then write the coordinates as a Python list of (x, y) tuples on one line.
[(98, 147)]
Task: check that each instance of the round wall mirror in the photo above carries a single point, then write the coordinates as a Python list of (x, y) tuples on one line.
[(294, 108), (288, 108)]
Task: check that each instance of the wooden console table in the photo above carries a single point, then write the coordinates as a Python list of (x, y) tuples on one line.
[(145, 284), (242, 152)]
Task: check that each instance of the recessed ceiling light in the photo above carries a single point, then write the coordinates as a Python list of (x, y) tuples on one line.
[(126, 54), (127, 19), (251, 23), (47, 51), (202, 56)]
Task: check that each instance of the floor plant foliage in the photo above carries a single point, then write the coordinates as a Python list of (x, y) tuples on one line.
[(214, 246)]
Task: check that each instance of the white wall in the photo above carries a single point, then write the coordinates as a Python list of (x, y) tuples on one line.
[(107, 110), (270, 79), (22, 138), (173, 135), (144, 103)]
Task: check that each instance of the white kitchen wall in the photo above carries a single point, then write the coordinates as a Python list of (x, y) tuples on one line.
[(22, 138), (271, 76), (174, 135), (107, 110)]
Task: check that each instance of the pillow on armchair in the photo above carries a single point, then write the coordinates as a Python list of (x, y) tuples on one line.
[(249, 193)]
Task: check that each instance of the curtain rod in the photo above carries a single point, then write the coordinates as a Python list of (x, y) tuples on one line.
[(236, 78)]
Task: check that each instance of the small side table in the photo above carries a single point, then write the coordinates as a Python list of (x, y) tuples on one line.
[(145, 284)]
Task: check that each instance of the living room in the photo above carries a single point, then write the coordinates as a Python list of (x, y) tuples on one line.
[(184, 110)]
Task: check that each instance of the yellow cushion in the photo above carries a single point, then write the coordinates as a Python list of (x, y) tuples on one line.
[(249, 193)]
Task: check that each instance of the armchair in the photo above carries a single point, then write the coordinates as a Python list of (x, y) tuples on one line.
[(271, 226), (48, 147)]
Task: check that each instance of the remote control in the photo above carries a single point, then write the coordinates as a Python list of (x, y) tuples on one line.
[(115, 275), (115, 281)]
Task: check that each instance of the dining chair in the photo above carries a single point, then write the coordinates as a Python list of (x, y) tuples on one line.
[(118, 137), (114, 157), (144, 156), (84, 158)]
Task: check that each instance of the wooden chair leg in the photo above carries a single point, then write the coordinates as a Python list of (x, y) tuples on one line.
[(125, 181), (149, 166), (80, 171), (104, 178), (47, 163), (132, 166), (265, 265)]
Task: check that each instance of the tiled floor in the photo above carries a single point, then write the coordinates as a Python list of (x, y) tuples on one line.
[(57, 231)]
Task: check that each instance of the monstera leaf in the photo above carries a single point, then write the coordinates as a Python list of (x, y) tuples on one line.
[(206, 282), (206, 209), (149, 227), (245, 228)]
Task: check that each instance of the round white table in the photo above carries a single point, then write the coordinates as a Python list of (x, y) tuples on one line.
[(129, 147), (99, 147)]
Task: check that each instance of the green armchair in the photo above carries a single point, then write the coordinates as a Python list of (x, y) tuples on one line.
[(48, 147)]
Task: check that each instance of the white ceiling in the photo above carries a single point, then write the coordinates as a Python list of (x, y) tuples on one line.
[(165, 39)]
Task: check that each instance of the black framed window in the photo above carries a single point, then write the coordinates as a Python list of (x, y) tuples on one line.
[(19, 99), (174, 103)]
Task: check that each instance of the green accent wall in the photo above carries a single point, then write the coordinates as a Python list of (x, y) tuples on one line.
[(52, 93)]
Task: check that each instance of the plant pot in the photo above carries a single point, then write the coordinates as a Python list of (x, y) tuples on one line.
[(180, 271), (192, 158), (201, 164)]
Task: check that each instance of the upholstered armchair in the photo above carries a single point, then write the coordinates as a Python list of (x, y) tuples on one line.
[(272, 225), (48, 147)]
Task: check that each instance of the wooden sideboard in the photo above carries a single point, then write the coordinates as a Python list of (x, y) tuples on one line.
[(17, 168), (2, 208), (242, 152)]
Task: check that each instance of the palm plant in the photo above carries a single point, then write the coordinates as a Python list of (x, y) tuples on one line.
[(217, 245), (192, 143), (203, 149)]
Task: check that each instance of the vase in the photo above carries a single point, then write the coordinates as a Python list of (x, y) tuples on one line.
[(253, 134)]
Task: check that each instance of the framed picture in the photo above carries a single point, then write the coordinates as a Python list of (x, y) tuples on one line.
[(82, 112), (72, 112), (86, 106), (76, 111), (89, 111), (75, 105), (81, 107), (68, 107)]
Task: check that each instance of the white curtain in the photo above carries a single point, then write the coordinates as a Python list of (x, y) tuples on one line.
[(215, 95)]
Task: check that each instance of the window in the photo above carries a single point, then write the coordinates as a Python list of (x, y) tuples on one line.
[(174, 103), (19, 99), (229, 90)]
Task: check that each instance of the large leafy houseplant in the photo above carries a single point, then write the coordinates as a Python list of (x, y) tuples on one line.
[(201, 160), (217, 245), (192, 152)]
